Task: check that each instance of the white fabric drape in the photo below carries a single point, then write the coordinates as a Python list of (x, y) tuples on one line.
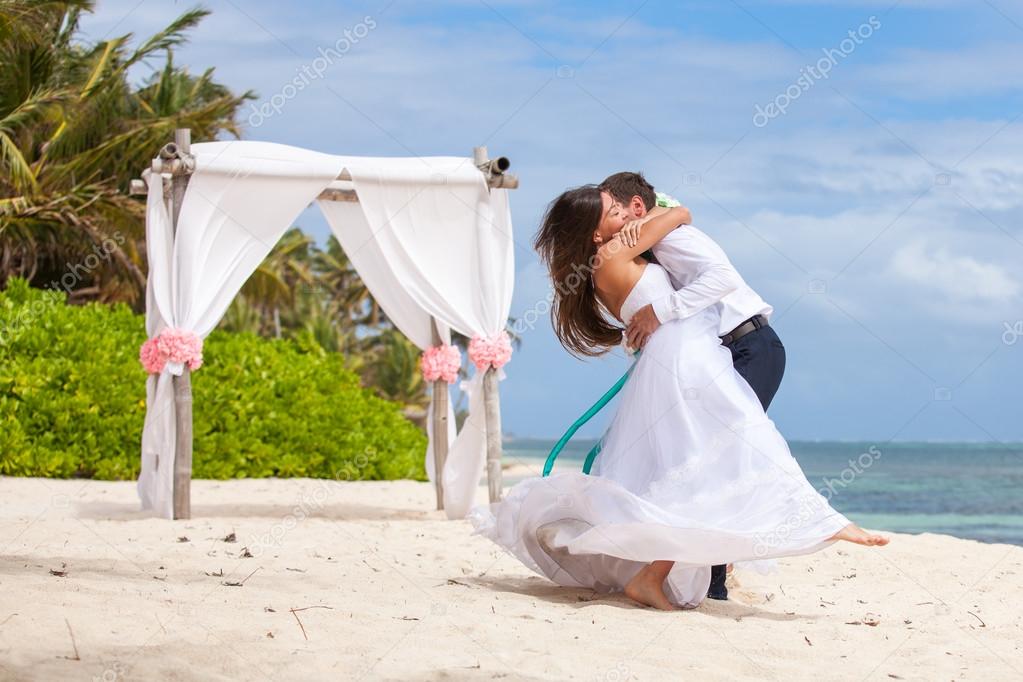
[(353, 232), (435, 238), (240, 200), (427, 236)]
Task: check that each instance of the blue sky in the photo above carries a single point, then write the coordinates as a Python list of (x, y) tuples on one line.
[(880, 214)]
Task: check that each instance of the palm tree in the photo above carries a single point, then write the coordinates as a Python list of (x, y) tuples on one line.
[(242, 316), (74, 131), (281, 278), (348, 294), (394, 372)]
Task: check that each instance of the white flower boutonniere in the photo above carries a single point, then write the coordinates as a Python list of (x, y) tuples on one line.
[(666, 200), (629, 350)]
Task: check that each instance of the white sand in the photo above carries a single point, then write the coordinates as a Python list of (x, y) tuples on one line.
[(413, 596)]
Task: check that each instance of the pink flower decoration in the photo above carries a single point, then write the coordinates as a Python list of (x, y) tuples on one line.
[(494, 351), (171, 345), (149, 356), (441, 362)]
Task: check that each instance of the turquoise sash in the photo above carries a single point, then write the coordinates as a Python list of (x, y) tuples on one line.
[(594, 409)]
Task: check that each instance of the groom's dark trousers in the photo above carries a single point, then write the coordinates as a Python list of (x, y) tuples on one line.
[(759, 357)]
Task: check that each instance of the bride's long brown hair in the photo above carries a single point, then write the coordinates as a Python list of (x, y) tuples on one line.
[(565, 244)]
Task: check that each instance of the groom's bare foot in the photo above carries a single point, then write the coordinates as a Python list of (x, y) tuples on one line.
[(853, 533), (648, 589)]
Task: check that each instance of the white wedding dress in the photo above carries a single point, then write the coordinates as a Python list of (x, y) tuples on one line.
[(691, 470)]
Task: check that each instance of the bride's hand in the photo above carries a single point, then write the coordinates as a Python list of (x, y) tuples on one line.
[(644, 233), (629, 234)]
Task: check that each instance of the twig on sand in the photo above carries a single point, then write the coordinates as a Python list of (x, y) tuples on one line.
[(73, 644), (295, 614), (228, 583), (982, 623)]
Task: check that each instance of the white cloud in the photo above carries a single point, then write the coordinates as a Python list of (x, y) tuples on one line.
[(958, 278)]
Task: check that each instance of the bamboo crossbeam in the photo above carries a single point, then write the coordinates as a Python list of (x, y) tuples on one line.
[(168, 163)]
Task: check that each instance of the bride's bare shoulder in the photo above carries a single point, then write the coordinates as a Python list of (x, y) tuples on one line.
[(614, 280)]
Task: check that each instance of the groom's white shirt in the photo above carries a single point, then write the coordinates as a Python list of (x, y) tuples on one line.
[(703, 276)]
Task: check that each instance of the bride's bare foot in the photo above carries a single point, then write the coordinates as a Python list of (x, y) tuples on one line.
[(853, 533), (647, 587)]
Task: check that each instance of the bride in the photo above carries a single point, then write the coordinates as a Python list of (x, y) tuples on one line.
[(692, 473)]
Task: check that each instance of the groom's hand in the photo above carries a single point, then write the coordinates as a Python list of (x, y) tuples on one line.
[(641, 326)]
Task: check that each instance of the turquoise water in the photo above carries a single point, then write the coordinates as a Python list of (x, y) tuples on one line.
[(970, 490)]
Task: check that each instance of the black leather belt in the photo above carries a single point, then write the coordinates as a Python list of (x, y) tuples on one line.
[(751, 325)]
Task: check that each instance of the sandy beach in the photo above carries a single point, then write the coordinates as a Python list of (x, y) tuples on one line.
[(302, 579)]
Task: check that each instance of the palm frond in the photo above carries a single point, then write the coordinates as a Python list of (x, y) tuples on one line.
[(170, 37), (105, 60), (22, 178)]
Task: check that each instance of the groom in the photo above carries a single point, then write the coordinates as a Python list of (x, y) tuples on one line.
[(703, 276)]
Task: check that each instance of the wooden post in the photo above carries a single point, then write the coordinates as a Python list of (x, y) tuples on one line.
[(439, 403), (479, 157), (183, 383), (494, 170), (492, 405)]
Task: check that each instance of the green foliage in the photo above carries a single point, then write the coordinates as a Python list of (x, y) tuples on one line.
[(72, 401), (74, 129)]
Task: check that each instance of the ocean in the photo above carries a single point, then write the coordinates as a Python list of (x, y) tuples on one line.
[(969, 490)]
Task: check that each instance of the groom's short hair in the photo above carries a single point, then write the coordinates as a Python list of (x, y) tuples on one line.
[(624, 186)]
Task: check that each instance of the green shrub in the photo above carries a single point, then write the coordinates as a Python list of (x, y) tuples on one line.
[(72, 401)]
